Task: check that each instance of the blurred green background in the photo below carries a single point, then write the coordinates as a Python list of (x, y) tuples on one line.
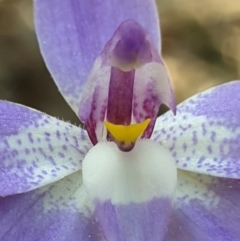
[(201, 47)]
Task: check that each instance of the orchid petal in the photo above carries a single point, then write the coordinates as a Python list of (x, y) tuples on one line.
[(36, 149), (55, 212), (206, 208), (204, 136), (72, 34), (131, 191)]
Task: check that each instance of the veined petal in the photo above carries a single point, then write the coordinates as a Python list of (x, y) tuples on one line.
[(60, 211), (205, 208), (72, 34), (131, 191), (204, 136), (36, 149), (152, 88)]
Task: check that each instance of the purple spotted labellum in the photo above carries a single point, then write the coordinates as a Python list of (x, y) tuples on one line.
[(179, 181)]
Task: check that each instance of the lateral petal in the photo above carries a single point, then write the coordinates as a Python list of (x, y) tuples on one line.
[(36, 149), (204, 136), (205, 208), (59, 211)]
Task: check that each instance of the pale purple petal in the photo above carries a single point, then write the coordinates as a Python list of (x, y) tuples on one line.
[(206, 208), (72, 34), (204, 136), (55, 212), (36, 149), (134, 221)]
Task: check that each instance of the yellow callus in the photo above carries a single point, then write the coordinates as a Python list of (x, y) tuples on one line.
[(127, 134)]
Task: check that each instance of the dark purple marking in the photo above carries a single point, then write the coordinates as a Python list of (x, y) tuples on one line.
[(44, 172), (213, 135), (209, 148), (60, 154), (184, 147), (50, 158), (194, 138), (19, 142), (50, 147), (201, 159), (204, 130), (119, 108), (27, 151), (30, 137), (64, 147), (58, 134), (133, 45)]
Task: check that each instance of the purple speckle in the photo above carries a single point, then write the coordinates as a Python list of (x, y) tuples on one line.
[(60, 154), (64, 147), (58, 134), (30, 137), (50, 147), (213, 135), (19, 142), (209, 148), (194, 138)]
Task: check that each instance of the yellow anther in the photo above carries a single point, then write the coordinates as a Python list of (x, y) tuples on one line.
[(127, 134)]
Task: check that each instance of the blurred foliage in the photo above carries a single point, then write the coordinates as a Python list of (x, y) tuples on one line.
[(200, 45)]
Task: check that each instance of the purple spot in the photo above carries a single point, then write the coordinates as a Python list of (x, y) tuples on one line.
[(194, 138), (60, 154), (30, 137), (204, 131), (6, 143), (58, 134), (64, 147), (27, 151), (50, 147), (213, 135), (19, 142), (201, 160), (184, 147), (209, 148), (44, 172), (50, 158)]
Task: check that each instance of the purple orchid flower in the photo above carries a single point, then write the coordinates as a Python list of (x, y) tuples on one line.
[(129, 175)]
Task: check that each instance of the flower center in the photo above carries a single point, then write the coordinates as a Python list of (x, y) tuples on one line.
[(126, 136), (127, 85)]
